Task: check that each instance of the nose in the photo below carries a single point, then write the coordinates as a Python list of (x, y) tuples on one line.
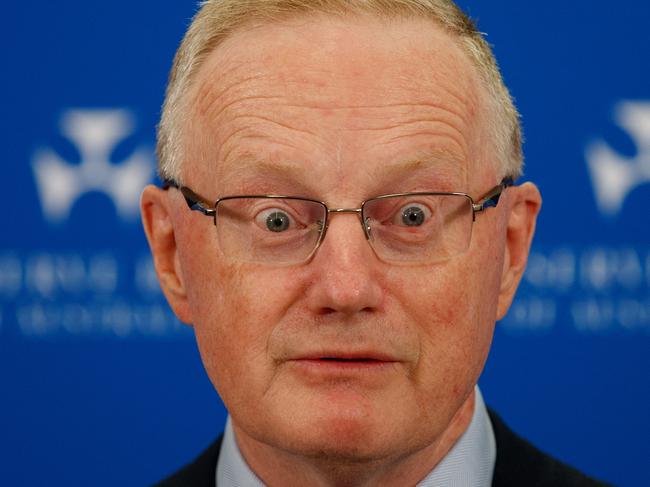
[(346, 272)]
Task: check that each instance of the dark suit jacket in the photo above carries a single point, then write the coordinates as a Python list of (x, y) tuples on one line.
[(518, 464)]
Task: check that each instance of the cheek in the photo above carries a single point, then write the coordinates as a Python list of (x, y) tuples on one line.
[(435, 299), (236, 309), (454, 318), (222, 323)]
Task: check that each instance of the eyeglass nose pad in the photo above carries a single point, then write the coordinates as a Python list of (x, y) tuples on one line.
[(366, 228)]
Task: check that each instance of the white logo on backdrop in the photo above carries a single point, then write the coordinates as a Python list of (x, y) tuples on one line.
[(95, 133), (614, 176)]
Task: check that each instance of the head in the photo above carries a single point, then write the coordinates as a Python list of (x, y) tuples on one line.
[(340, 102)]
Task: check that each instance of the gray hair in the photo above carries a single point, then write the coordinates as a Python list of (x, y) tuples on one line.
[(217, 19)]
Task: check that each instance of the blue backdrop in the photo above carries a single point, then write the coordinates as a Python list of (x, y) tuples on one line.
[(102, 386)]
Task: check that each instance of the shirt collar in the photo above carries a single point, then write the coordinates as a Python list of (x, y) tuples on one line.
[(469, 463)]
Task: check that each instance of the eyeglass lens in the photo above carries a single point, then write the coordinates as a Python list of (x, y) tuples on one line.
[(282, 231)]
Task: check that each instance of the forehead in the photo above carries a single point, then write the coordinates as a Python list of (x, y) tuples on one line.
[(335, 96)]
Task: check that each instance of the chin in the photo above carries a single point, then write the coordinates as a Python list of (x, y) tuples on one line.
[(345, 436)]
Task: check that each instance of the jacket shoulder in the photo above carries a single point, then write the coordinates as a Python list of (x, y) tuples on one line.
[(200, 473), (520, 463)]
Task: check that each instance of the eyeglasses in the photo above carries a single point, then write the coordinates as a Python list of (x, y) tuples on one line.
[(403, 228)]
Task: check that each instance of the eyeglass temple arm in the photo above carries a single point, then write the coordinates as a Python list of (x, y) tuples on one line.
[(491, 198), (193, 200)]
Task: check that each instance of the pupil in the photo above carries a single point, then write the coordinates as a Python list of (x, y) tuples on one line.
[(277, 221), (413, 216)]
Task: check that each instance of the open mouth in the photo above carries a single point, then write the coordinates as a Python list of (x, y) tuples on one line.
[(339, 359)]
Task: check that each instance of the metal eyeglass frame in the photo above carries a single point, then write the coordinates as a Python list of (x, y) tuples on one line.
[(198, 203)]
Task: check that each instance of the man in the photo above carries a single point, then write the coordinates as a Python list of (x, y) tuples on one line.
[(339, 225)]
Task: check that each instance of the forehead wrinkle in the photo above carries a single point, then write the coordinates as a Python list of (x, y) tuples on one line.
[(268, 120), (304, 96), (450, 138), (213, 110), (213, 83), (267, 130), (451, 124), (445, 133)]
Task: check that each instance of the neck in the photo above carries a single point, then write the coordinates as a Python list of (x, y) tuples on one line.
[(277, 467)]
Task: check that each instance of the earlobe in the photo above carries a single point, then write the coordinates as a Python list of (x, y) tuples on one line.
[(158, 227), (524, 204)]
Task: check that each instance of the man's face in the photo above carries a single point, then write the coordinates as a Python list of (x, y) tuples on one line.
[(344, 355)]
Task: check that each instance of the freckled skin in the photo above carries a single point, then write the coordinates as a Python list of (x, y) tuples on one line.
[(341, 100)]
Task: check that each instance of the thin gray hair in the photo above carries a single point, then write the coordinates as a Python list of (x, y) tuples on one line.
[(217, 19)]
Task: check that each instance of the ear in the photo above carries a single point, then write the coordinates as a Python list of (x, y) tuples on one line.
[(524, 203), (155, 207)]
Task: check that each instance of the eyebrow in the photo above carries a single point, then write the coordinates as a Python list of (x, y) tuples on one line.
[(428, 160), (250, 169), (281, 172), (448, 166), (280, 167)]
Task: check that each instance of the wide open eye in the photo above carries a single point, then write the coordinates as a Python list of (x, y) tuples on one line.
[(274, 220), (412, 215)]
